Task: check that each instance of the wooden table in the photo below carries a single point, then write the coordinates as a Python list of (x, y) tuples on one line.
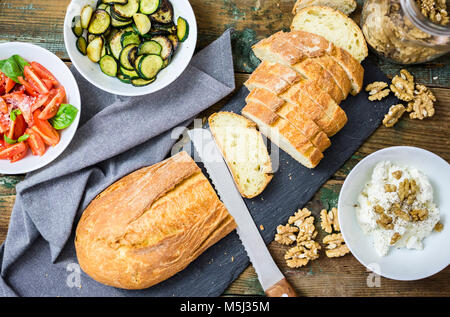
[(41, 22)]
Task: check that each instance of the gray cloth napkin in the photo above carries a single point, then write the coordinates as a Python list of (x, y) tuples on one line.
[(116, 136)]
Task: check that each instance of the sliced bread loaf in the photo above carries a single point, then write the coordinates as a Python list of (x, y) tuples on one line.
[(354, 70), (345, 6), (334, 26), (262, 78), (243, 149), (283, 134), (339, 75)]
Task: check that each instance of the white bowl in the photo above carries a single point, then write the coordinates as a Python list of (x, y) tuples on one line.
[(62, 73), (91, 71), (399, 264)]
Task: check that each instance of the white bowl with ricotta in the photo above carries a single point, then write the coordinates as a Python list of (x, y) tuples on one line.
[(421, 251)]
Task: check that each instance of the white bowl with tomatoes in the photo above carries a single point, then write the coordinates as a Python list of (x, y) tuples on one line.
[(39, 107)]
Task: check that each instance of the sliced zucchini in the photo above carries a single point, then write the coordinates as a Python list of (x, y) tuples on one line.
[(136, 65), (166, 62), (115, 44), (81, 45), (130, 37), (182, 29), (104, 52), (168, 28), (166, 45), (126, 11), (123, 78), (94, 49), (174, 39), (100, 22), (149, 6), (142, 22), (124, 62), (86, 15), (120, 24), (164, 14), (108, 65), (130, 73), (139, 82), (150, 65), (76, 26), (115, 1), (102, 6), (149, 47), (90, 37), (132, 55)]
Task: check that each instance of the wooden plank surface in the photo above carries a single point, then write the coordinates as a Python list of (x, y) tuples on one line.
[(40, 22)]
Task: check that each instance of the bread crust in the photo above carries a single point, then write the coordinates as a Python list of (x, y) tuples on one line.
[(251, 125), (261, 78), (300, 4), (270, 100), (150, 224), (353, 68), (339, 75)]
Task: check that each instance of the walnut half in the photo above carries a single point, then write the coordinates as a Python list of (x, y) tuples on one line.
[(403, 85), (423, 104), (376, 90), (336, 246), (394, 114)]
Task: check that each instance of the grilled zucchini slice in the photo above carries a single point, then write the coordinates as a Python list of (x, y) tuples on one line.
[(139, 82), (102, 6), (126, 11), (132, 55), (94, 49), (142, 22), (130, 37), (108, 65), (115, 44), (100, 22), (149, 6), (81, 45), (166, 45), (124, 62), (130, 73), (182, 29), (123, 78), (149, 47), (164, 14), (76, 26), (150, 65), (86, 15), (174, 39)]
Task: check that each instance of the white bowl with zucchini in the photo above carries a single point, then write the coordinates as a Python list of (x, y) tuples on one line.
[(130, 47)]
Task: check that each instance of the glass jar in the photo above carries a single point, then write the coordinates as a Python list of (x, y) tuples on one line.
[(398, 31)]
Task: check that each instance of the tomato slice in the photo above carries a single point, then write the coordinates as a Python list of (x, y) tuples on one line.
[(52, 107), (35, 142), (23, 102), (17, 128), (39, 102), (3, 106), (28, 88), (44, 73), (34, 80), (4, 123), (13, 151), (48, 83), (45, 130), (20, 155), (9, 84)]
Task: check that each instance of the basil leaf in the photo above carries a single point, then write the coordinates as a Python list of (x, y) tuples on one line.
[(23, 138), (8, 140), (13, 115), (13, 67), (65, 116)]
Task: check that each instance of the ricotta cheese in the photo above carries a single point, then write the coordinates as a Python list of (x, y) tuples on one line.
[(375, 194)]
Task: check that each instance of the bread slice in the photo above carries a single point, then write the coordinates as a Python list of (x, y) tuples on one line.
[(354, 70), (262, 78), (339, 75), (323, 79), (345, 6), (334, 26), (318, 104), (299, 119), (243, 149), (284, 134)]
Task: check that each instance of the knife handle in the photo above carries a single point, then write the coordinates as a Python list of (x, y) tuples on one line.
[(281, 289)]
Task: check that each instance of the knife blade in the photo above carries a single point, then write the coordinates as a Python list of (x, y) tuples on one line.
[(269, 275)]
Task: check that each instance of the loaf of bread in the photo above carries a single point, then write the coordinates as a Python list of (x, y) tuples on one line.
[(150, 225), (345, 6), (334, 26), (244, 151)]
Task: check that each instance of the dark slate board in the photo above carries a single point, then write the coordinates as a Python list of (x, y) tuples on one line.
[(293, 185)]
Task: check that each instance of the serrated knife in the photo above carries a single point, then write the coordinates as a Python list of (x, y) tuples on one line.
[(269, 275)]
